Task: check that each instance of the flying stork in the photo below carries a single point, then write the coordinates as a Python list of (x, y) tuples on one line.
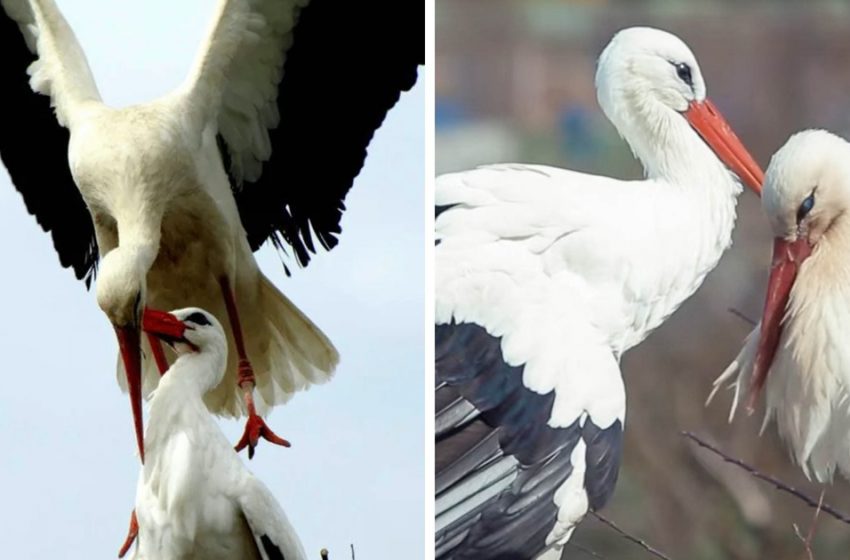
[(195, 498), (165, 201), (798, 354), (544, 278)]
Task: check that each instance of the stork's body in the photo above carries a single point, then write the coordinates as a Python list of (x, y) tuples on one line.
[(172, 196), (195, 498), (183, 228), (800, 351), (544, 278)]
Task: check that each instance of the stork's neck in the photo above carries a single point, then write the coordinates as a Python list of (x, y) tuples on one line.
[(194, 374), (673, 152), (692, 209), (177, 405)]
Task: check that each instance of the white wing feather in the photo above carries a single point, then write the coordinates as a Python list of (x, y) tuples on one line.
[(61, 70), (235, 77), (509, 259)]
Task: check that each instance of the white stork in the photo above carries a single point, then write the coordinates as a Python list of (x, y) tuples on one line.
[(799, 352), (195, 498), (544, 277), (168, 199)]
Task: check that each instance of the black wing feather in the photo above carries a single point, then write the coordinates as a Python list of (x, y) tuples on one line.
[(272, 550), (496, 418), (347, 66), (34, 149)]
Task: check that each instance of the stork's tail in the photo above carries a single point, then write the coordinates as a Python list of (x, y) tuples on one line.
[(294, 353)]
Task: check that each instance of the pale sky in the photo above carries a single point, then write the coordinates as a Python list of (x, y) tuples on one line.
[(355, 472)]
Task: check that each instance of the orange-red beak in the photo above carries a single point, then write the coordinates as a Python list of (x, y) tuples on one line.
[(130, 345), (787, 258), (163, 325), (713, 128)]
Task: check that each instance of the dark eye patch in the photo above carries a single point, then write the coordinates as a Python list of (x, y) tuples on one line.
[(806, 207), (198, 318), (684, 73)]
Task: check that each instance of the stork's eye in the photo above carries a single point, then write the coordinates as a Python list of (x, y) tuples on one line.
[(684, 73), (198, 318), (805, 207)]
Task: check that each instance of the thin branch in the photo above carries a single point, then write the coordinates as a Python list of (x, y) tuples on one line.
[(778, 484), (740, 315), (626, 535), (352, 551), (324, 553), (807, 540)]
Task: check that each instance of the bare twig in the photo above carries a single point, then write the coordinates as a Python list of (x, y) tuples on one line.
[(807, 540), (740, 315), (626, 535), (778, 484), (352, 551), (585, 550)]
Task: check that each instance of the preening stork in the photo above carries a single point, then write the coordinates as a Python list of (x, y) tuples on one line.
[(167, 200), (195, 498), (799, 352), (544, 277)]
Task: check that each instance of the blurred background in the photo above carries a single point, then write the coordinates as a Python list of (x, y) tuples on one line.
[(514, 82)]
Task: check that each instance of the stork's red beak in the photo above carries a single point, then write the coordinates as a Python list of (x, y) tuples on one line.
[(713, 128), (130, 346), (163, 325), (787, 258)]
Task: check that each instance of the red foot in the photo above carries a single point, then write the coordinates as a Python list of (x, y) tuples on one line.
[(132, 533), (255, 428)]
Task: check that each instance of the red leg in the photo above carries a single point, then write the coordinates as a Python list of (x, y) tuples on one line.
[(255, 427), (132, 533), (158, 354)]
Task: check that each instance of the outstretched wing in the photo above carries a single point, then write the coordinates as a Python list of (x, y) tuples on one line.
[(38, 51), (299, 103)]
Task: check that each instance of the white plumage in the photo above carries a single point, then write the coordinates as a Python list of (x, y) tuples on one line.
[(195, 498), (547, 276), (799, 351)]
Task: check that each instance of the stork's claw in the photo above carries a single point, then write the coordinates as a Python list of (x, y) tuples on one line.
[(132, 533), (255, 428)]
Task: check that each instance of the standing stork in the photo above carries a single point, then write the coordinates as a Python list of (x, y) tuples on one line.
[(195, 498), (544, 277), (167, 200), (799, 353)]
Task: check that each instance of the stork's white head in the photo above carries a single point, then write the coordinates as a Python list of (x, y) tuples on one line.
[(807, 185), (806, 194), (648, 82), (192, 331), (643, 66), (120, 288)]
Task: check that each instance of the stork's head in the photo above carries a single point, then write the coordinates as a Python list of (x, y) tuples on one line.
[(121, 286), (642, 64), (807, 187), (192, 331), (121, 295), (645, 74)]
